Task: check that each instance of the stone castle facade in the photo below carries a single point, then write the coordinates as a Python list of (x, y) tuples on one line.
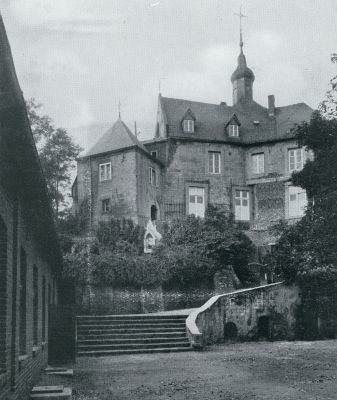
[(239, 158)]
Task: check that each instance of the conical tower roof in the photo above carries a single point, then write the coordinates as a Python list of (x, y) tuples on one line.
[(118, 137)]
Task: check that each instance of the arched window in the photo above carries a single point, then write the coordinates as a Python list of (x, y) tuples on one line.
[(154, 213), (43, 309), (3, 293)]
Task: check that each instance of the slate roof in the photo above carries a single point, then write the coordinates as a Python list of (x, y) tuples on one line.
[(211, 120), (118, 137)]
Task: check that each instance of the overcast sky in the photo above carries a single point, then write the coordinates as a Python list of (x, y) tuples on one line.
[(79, 57)]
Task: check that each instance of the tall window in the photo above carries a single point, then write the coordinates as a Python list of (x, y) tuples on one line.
[(242, 209), (196, 201), (23, 301), (188, 125), (106, 206), (3, 293), (152, 176), (105, 172), (35, 305), (297, 201), (233, 130), (258, 163), (43, 309), (296, 159), (214, 162)]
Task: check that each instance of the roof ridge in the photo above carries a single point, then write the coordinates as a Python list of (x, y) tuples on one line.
[(198, 102)]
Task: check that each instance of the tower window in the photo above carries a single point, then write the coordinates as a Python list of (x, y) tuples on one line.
[(23, 301), (3, 293), (233, 130), (35, 305), (105, 172), (154, 154), (154, 213), (106, 206), (242, 209), (152, 176), (297, 201), (188, 125)]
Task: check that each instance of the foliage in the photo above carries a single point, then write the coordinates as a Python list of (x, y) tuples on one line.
[(57, 153), (191, 251), (196, 248)]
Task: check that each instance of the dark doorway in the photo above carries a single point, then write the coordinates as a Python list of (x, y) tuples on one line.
[(230, 331), (154, 213), (263, 328)]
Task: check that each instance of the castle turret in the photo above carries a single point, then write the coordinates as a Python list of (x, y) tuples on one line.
[(242, 79)]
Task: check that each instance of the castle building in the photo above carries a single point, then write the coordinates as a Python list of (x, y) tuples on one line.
[(237, 157)]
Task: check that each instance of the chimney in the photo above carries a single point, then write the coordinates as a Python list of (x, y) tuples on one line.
[(271, 105)]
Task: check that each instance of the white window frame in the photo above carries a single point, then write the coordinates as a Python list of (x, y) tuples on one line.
[(234, 130), (242, 210), (297, 201), (196, 195), (105, 172), (258, 163), (153, 179), (214, 162), (106, 202), (188, 125), (295, 159)]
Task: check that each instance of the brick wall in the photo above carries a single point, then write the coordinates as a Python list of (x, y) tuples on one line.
[(19, 370)]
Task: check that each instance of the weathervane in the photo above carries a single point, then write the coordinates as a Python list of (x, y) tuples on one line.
[(241, 16)]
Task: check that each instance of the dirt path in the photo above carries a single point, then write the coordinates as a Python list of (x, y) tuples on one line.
[(279, 370)]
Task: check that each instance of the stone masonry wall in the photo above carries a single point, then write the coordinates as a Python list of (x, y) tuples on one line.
[(18, 372)]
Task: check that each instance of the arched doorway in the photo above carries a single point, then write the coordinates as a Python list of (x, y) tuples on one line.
[(264, 328), (230, 331)]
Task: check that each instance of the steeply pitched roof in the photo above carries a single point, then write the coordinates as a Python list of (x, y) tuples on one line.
[(211, 120), (118, 137)]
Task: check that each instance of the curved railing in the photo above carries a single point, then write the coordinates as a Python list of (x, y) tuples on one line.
[(211, 311)]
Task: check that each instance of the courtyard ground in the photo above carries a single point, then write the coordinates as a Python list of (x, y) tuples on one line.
[(263, 370)]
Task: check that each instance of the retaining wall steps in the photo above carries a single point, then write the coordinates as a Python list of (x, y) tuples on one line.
[(105, 335)]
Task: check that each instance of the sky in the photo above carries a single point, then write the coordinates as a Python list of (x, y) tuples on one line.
[(80, 58)]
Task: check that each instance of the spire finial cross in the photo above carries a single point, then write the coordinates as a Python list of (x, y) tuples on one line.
[(241, 16), (119, 109)]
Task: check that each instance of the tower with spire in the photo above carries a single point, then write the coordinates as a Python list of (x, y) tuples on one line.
[(243, 77)]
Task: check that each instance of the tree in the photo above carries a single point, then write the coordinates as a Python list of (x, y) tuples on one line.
[(57, 153)]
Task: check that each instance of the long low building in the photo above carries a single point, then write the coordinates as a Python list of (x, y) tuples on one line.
[(30, 257)]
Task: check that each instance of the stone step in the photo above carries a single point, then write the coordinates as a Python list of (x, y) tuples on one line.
[(130, 324), (51, 392), (131, 330), (124, 341), (130, 346), (142, 335), (128, 317), (102, 353)]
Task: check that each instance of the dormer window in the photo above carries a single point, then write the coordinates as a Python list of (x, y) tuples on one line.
[(188, 125), (233, 130), (188, 122)]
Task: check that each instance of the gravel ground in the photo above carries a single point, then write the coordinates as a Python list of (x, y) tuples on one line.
[(263, 370)]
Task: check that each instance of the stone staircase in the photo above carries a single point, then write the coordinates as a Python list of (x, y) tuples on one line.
[(104, 335)]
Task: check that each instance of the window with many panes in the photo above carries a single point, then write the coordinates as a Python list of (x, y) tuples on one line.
[(153, 176), (242, 209), (214, 162), (258, 163), (105, 172), (297, 201), (188, 125), (23, 302), (295, 159), (233, 130), (3, 293), (106, 206)]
